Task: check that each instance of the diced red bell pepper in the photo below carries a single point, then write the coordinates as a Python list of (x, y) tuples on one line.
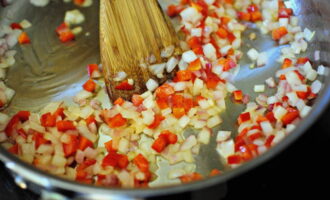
[(222, 33), (162, 103), (174, 10), (254, 136), (65, 125), (23, 38), (164, 91), (64, 32), (225, 20), (244, 16), (72, 147), (91, 68), (137, 100), (177, 100), (244, 117), (115, 160), (14, 149), (124, 86), (302, 60), (285, 12), (141, 162), (184, 75), (278, 33), (188, 103), (171, 137), (290, 116), (11, 126), (48, 120), (39, 139), (286, 63), (89, 85), (270, 116), (269, 141), (120, 101), (238, 95), (81, 174), (79, 2), (215, 172), (22, 133), (234, 159), (160, 144), (256, 16), (245, 153), (108, 145), (84, 143), (23, 115), (194, 42), (190, 177), (195, 65), (178, 112), (304, 95), (158, 119), (15, 26), (90, 120), (59, 113), (116, 121), (231, 37)]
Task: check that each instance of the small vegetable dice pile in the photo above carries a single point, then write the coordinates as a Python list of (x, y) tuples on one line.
[(121, 145)]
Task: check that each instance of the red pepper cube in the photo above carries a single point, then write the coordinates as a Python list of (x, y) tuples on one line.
[(38, 139), (15, 26), (164, 91), (190, 177), (137, 100), (244, 117), (116, 121), (160, 144), (120, 101), (234, 159), (89, 85), (286, 63), (302, 60), (141, 162), (238, 95), (256, 16), (215, 172), (244, 16), (269, 141), (48, 120), (65, 125), (222, 33), (158, 119), (91, 68), (124, 86), (290, 116), (90, 120), (23, 38), (71, 147), (285, 12), (84, 143), (184, 75), (195, 65), (278, 33)]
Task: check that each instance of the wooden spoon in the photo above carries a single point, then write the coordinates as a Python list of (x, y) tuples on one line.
[(131, 31)]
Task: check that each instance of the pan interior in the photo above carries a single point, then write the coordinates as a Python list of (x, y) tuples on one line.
[(49, 71)]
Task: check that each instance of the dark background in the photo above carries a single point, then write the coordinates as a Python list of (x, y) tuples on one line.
[(301, 170)]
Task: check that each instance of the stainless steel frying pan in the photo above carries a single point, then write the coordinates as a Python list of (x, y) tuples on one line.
[(47, 71)]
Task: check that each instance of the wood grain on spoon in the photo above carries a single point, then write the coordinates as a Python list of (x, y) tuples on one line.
[(130, 31)]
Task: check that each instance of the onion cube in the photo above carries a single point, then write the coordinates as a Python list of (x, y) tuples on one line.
[(189, 56)]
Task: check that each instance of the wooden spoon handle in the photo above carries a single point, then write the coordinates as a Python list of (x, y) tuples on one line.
[(130, 31)]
